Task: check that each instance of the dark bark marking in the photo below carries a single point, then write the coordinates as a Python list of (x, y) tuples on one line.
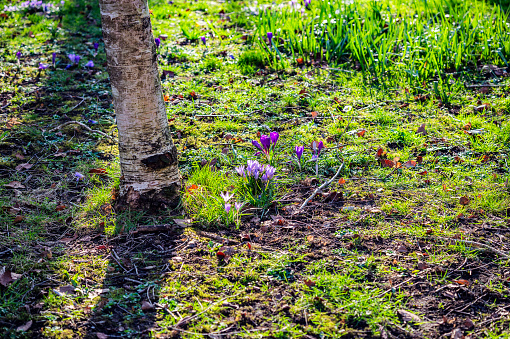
[(159, 161)]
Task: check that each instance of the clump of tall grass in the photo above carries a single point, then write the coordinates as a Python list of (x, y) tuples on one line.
[(419, 39)]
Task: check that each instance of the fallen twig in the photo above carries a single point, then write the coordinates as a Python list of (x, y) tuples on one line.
[(478, 244), (321, 187), (84, 126), (72, 109), (217, 238), (154, 228), (113, 256), (483, 85)]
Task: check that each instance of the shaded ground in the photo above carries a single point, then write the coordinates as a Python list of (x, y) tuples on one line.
[(383, 253)]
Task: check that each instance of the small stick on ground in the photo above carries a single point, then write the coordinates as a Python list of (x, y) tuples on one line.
[(477, 244), (154, 228), (217, 238), (114, 258), (85, 127), (321, 187)]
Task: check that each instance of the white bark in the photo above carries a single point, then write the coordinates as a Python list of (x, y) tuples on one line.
[(148, 156)]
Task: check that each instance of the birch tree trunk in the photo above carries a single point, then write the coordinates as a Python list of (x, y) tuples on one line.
[(148, 157)]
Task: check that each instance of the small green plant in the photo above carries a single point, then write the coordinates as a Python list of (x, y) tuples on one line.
[(207, 200), (251, 60), (211, 63), (256, 182), (190, 31)]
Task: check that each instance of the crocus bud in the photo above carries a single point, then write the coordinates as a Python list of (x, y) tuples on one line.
[(203, 39), (18, 54), (79, 176), (42, 66), (256, 144), (299, 151), (270, 36), (320, 147), (158, 42), (265, 141), (53, 58), (90, 64), (274, 137), (96, 46), (227, 207)]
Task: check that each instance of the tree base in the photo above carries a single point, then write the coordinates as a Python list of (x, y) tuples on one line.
[(150, 201)]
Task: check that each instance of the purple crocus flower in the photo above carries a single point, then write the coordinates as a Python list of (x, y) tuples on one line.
[(227, 207), (256, 144), (158, 42), (266, 142), (253, 168), (240, 171), (18, 55), (274, 137), (75, 58), (320, 147), (96, 46), (269, 173), (92, 121), (203, 39), (270, 36), (79, 176), (90, 64), (238, 206), (42, 66), (299, 151), (232, 57), (53, 58), (307, 3), (226, 196)]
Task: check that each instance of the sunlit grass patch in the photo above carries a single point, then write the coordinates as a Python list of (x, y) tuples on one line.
[(201, 198)]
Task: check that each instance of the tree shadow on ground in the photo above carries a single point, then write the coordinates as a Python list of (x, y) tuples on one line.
[(58, 293), (127, 300)]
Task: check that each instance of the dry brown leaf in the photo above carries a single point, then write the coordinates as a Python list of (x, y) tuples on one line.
[(7, 277), (387, 163), (464, 200), (98, 171), (462, 282), (18, 219), (183, 222), (309, 283), (402, 249), (457, 334), (67, 289), (25, 166), (408, 316), (147, 306), (409, 164), (421, 130), (25, 327), (422, 266), (14, 184), (468, 324), (12, 122)]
